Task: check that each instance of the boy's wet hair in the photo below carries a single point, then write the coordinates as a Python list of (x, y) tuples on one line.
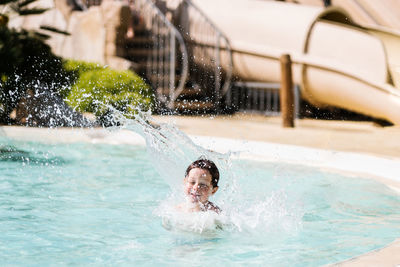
[(205, 164)]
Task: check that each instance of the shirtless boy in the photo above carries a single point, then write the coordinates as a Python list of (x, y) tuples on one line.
[(200, 182)]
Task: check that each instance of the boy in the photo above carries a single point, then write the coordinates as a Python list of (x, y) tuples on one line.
[(200, 182)]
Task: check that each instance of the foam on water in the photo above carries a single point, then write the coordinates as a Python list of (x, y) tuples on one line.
[(87, 203), (171, 151)]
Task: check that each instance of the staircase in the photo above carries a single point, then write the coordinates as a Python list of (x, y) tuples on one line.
[(165, 57), (183, 64)]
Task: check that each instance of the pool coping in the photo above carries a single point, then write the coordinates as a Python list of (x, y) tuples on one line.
[(379, 168)]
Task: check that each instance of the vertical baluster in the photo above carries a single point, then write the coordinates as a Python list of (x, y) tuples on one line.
[(262, 99), (149, 61), (269, 101), (228, 98), (153, 74), (163, 51), (275, 101), (159, 57), (172, 67), (165, 54), (217, 69), (255, 99)]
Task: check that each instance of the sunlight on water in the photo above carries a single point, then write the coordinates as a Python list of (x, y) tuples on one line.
[(99, 204)]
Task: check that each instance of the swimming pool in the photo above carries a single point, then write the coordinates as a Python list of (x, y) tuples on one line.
[(84, 203)]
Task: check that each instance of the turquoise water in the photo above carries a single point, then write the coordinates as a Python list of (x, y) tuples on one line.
[(81, 204)]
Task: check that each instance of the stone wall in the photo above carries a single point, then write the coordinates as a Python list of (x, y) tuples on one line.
[(97, 35)]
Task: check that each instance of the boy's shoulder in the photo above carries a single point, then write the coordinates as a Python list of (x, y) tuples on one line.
[(206, 207), (211, 206)]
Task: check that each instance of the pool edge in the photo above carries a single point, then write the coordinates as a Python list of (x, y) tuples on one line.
[(325, 159), (249, 149)]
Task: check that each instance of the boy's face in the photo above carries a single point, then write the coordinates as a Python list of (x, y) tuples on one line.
[(198, 187)]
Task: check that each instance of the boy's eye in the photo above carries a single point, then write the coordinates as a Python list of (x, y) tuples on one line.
[(203, 185)]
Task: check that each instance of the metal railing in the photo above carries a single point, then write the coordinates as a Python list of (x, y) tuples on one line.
[(167, 64), (261, 98), (90, 3), (168, 53), (304, 61), (207, 47), (85, 4)]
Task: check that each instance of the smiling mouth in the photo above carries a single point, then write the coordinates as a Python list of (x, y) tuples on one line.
[(195, 196)]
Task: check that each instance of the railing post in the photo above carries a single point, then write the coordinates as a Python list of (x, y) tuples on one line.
[(286, 92), (217, 72), (172, 69)]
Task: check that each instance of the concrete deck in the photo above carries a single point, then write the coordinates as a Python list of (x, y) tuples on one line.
[(359, 137)]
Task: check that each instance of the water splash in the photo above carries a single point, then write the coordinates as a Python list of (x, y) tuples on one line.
[(171, 151), (42, 106)]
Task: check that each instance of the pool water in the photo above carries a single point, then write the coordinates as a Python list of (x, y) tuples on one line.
[(99, 204)]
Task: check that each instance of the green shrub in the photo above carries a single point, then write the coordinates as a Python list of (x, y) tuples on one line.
[(79, 67), (97, 88), (75, 68)]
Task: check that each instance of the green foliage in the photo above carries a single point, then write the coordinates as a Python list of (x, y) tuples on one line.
[(98, 88), (79, 67), (26, 62)]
